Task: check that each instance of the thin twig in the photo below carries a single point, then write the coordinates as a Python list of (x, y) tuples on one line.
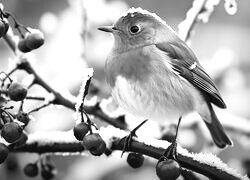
[(35, 98), (191, 20), (39, 108)]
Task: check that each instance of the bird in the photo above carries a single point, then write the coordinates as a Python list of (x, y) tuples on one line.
[(155, 75)]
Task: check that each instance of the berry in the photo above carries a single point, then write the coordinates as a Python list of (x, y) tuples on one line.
[(31, 170), (22, 140), (22, 46), (135, 160), (94, 143), (17, 92), (11, 132), (4, 151), (23, 117), (108, 152), (11, 163), (34, 39), (48, 171), (168, 169), (99, 149), (80, 130)]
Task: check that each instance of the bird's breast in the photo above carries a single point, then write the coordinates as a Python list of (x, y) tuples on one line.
[(143, 85)]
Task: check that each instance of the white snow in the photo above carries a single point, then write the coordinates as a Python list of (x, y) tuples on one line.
[(51, 137), (231, 7), (133, 10), (88, 73)]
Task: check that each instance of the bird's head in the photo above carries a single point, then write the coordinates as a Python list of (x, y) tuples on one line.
[(137, 28)]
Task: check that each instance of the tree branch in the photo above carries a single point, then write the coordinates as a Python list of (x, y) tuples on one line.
[(25, 65), (206, 164), (186, 26)]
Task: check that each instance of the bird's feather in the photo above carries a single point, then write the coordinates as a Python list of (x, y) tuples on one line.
[(186, 64)]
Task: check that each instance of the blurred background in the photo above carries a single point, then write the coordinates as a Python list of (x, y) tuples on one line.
[(72, 43)]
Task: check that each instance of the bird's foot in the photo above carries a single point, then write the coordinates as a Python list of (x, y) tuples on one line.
[(128, 139), (171, 152)]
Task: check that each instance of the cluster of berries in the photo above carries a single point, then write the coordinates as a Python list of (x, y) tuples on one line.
[(11, 126), (92, 141), (48, 171), (32, 39), (96, 146)]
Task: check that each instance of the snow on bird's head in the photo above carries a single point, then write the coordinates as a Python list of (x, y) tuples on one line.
[(134, 14), (138, 14)]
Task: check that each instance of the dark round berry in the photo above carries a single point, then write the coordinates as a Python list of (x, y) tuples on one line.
[(94, 143), (23, 117), (22, 140), (31, 170), (11, 132), (99, 150), (48, 171), (108, 152), (80, 130), (4, 151), (34, 40), (22, 46), (168, 169), (17, 92), (11, 163), (135, 160)]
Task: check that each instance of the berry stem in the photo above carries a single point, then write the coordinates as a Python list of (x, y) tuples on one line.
[(8, 114), (24, 64), (7, 76), (40, 107), (35, 98), (17, 25)]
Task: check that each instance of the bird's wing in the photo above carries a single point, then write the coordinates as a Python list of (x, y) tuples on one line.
[(186, 64)]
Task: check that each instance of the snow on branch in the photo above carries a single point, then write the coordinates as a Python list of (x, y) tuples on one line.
[(88, 73), (201, 10), (22, 62), (186, 26), (65, 143)]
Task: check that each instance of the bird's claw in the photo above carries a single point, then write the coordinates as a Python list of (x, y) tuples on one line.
[(128, 139), (171, 152)]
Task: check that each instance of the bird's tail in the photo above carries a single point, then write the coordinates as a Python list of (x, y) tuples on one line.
[(216, 129)]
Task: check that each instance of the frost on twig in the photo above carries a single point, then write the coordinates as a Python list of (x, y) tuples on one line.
[(201, 10), (64, 142), (88, 73), (186, 26), (230, 7)]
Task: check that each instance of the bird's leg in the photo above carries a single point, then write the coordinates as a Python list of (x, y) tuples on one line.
[(171, 152), (128, 139)]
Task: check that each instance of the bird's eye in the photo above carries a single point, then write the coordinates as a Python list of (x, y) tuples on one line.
[(135, 29)]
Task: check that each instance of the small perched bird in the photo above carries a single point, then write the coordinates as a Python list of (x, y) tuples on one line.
[(154, 74)]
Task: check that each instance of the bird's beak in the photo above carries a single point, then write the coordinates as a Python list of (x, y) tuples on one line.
[(109, 29)]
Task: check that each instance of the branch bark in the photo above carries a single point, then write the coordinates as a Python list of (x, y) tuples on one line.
[(206, 164)]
